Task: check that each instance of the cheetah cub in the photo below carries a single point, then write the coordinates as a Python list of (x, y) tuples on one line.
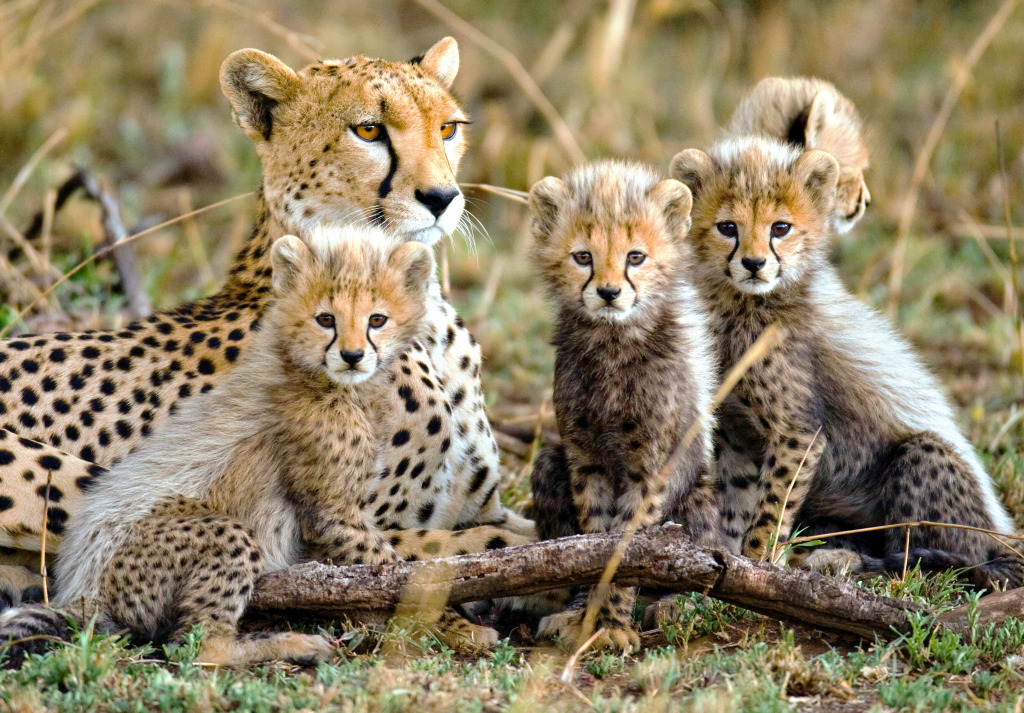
[(841, 422), (270, 468), (634, 370), (811, 113)]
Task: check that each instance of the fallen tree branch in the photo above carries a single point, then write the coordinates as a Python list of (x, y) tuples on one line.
[(658, 557)]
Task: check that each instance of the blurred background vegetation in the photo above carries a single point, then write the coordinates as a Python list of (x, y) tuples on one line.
[(129, 91)]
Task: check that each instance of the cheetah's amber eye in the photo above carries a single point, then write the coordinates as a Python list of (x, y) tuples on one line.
[(728, 229), (635, 257), (582, 257), (378, 320), (780, 229), (325, 320), (449, 130), (367, 132)]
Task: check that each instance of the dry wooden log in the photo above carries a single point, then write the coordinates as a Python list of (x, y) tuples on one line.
[(658, 557)]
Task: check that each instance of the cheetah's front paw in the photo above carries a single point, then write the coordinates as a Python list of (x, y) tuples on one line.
[(568, 627)]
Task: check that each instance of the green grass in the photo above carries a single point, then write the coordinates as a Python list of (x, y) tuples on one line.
[(134, 88)]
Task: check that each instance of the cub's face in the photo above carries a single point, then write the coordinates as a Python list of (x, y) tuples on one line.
[(761, 210), (609, 238), (349, 305), (356, 140)]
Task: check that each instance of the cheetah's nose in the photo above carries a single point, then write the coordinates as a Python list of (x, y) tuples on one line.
[(352, 358), (753, 263), (437, 199), (608, 294)]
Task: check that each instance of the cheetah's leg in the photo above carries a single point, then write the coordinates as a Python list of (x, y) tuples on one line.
[(184, 566), (785, 479), (739, 492), (24, 467), (927, 480)]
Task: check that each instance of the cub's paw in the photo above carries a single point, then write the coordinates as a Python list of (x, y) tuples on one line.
[(463, 635), (829, 561), (568, 627), (307, 649)]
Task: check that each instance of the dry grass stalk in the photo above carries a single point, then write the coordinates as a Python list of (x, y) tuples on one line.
[(931, 142), (23, 174), (906, 554), (195, 240), (42, 547), (1000, 537), (110, 248), (785, 501), (518, 72), (768, 340), (306, 45), (566, 676), (490, 291), (1015, 312), (41, 28)]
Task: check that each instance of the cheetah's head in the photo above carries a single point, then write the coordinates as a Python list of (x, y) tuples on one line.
[(355, 140), (609, 238), (761, 210), (349, 301)]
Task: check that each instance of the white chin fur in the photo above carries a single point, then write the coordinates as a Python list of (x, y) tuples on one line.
[(755, 287), (349, 377)]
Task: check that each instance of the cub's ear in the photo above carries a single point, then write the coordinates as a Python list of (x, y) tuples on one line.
[(821, 111), (255, 83), (675, 201), (289, 256), (441, 60), (694, 168), (415, 262), (546, 196), (818, 171)]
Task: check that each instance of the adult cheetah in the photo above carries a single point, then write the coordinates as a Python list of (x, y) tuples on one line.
[(340, 141)]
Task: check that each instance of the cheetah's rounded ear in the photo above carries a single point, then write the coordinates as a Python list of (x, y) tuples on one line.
[(821, 111), (675, 201), (819, 173), (415, 262), (546, 196), (289, 256), (694, 168), (255, 83), (441, 60)]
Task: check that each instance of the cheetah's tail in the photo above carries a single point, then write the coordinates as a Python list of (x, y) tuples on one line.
[(1007, 571)]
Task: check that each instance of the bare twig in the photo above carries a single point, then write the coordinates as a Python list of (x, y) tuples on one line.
[(931, 142), (116, 238), (657, 557), (518, 72)]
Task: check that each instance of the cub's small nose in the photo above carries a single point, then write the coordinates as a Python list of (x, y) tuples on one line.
[(352, 358), (608, 294), (437, 200), (753, 263)]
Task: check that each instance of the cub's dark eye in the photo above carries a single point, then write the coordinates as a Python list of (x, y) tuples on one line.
[(378, 320), (582, 257), (635, 257), (325, 320), (449, 130), (728, 229), (780, 229), (367, 132)]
